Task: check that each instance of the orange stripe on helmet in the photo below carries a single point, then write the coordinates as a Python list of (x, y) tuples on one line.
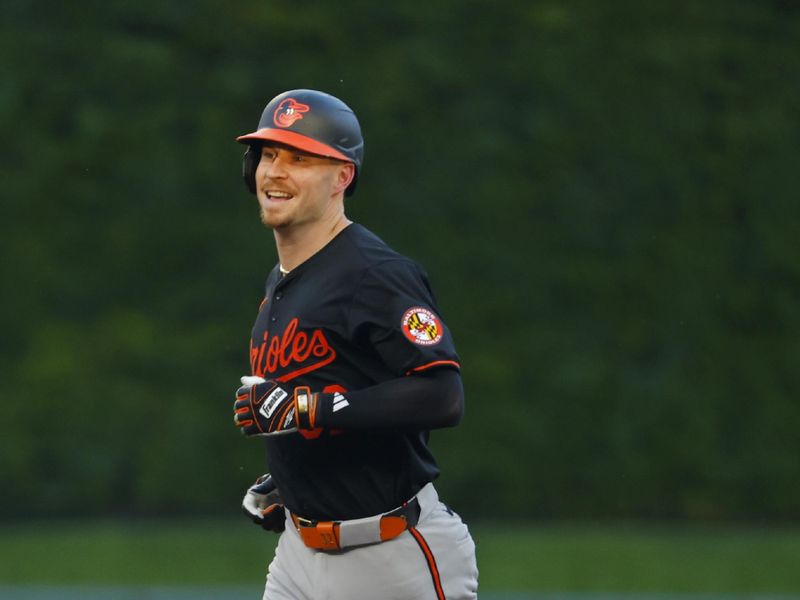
[(295, 140)]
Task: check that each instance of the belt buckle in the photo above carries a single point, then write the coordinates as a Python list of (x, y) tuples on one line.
[(301, 522)]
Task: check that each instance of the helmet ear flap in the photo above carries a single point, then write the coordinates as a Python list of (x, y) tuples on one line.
[(250, 161)]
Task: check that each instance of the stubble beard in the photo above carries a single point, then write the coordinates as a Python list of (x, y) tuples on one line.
[(264, 218), (270, 221)]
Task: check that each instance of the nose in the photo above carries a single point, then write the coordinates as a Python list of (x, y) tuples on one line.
[(273, 167)]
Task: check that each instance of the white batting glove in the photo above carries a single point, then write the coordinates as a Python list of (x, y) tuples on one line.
[(263, 504)]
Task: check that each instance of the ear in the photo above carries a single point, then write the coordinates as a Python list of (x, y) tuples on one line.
[(344, 177)]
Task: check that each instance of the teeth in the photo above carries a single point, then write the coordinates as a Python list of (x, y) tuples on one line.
[(278, 194)]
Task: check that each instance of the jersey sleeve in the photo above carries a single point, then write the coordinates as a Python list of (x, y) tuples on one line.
[(394, 312)]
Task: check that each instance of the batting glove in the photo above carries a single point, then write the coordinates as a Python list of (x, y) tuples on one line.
[(263, 504), (270, 408)]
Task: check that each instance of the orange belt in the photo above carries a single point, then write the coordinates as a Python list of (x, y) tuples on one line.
[(334, 535)]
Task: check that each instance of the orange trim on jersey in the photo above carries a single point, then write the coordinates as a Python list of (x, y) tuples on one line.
[(436, 363), (295, 140), (426, 550)]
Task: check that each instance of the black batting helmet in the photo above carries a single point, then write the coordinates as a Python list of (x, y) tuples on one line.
[(308, 120)]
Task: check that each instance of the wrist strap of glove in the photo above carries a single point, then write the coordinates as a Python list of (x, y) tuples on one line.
[(306, 405)]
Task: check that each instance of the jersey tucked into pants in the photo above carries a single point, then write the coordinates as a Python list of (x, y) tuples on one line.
[(353, 316)]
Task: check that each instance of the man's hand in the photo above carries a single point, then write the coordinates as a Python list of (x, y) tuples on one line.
[(267, 407), (263, 504)]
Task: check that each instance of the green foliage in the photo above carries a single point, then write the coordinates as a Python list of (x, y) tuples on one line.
[(603, 194), (621, 559)]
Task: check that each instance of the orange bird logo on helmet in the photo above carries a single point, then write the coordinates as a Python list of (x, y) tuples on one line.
[(289, 111)]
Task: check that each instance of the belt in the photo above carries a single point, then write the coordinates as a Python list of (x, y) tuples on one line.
[(334, 535)]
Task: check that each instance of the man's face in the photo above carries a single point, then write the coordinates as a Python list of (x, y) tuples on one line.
[(295, 188)]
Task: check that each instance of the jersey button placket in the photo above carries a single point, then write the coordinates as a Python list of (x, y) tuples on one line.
[(278, 295)]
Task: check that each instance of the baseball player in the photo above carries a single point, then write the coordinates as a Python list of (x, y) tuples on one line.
[(351, 367)]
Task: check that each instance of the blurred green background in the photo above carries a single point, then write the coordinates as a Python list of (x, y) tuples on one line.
[(603, 193)]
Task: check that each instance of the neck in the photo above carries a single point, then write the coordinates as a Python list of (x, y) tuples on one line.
[(295, 247)]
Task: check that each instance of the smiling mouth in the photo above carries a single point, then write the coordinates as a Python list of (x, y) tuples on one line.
[(278, 195)]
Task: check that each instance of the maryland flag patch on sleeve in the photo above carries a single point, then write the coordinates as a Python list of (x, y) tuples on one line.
[(422, 326)]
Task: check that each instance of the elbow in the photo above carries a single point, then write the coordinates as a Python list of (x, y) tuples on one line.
[(452, 402), (454, 413)]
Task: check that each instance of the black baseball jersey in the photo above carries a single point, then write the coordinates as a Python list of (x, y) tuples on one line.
[(354, 315)]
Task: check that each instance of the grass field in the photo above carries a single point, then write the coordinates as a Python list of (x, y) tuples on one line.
[(529, 558)]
